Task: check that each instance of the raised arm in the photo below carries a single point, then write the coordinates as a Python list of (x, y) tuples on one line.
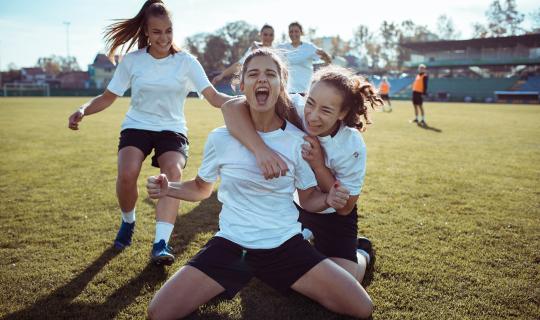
[(238, 122), (192, 190), (324, 56), (314, 155), (95, 105), (233, 68)]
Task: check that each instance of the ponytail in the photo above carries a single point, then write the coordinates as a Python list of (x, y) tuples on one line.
[(133, 30)]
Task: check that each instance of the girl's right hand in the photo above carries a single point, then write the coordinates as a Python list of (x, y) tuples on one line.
[(157, 186), (271, 164), (74, 119)]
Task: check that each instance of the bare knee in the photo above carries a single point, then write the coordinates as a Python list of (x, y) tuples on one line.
[(173, 171), (156, 312), (128, 176)]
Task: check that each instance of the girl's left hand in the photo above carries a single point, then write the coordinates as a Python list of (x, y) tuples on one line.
[(312, 152), (337, 196)]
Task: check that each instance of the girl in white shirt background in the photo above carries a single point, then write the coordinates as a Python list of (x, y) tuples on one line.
[(300, 56), (266, 35), (335, 111), (160, 76), (259, 234)]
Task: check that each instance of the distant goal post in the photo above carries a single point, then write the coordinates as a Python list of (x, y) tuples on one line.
[(26, 89)]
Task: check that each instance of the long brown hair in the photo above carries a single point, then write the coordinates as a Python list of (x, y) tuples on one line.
[(356, 91), (134, 30), (284, 108)]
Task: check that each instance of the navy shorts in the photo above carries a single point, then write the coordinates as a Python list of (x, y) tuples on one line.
[(160, 141), (232, 266), (334, 235), (417, 98)]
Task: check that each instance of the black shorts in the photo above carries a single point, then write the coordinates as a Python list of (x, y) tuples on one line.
[(334, 235), (160, 141), (232, 266), (417, 98), (385, 97)]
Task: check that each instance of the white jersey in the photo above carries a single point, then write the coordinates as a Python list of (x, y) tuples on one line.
[(300, 64), (345, 154), (158, 89), (256, 213)]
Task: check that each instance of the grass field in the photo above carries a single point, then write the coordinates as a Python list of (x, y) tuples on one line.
[(453, 211)]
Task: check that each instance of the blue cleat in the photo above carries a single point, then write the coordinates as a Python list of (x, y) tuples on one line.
[(124, 235), (161, 253)]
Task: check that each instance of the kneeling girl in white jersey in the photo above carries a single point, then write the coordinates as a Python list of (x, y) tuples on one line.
[(332, 117), (259, 234)]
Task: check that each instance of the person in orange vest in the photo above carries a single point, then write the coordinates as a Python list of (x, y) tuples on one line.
[(419, 89), (384, 91)]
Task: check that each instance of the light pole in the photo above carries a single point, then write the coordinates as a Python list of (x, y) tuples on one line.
[(67, 23)]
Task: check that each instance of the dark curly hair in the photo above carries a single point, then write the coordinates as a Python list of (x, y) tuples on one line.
[(357, 93)]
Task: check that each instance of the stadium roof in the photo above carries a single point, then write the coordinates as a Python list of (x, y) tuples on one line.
[(528, 40)]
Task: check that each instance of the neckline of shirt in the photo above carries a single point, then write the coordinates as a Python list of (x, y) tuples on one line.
[(158, 60)]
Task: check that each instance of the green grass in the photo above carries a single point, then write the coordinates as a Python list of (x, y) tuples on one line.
[(454, 214)]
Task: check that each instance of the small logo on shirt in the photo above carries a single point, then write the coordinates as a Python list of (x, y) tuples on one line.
[(356, 154)]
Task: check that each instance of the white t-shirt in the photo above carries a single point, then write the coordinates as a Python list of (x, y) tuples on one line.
[(300, 64), (256, 213), (158, 89), (345, 154)]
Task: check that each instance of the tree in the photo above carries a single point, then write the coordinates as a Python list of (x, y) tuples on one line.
[(503, 20), (55, 65), (239, 35), (535, 17), (364, 45), (223, 47), (446, 29), (390, 34), (480, 31)]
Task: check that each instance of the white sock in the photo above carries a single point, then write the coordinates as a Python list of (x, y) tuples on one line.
[(163, 231), (422, 117), (307, 234), (417, 118), (129, 217), (362, 253)]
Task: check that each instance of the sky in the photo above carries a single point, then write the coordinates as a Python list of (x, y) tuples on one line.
[(30, 29)]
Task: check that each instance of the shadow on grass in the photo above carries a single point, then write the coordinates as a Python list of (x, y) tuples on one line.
[(427, 127), (59, 305)]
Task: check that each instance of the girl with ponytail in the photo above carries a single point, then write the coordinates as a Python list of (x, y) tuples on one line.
[(334, 114), (160, 76)]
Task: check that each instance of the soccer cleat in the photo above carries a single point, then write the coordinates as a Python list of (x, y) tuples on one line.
[(161, 253), (414, 121), (124, 235), (364, 244), (423, 123)]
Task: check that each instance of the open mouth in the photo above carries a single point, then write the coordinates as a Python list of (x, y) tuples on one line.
[(261, 94)]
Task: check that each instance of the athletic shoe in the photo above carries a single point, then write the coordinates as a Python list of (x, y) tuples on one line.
[(364, 244), (161, 253), (124, 235), (423, 123), (414, 121)]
